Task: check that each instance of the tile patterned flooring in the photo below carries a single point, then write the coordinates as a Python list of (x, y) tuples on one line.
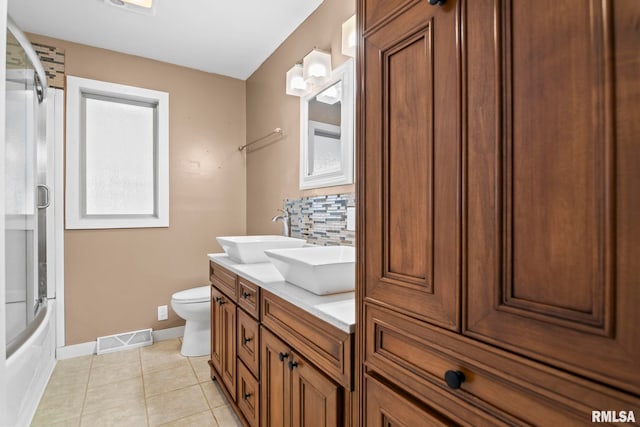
[(150, 386)]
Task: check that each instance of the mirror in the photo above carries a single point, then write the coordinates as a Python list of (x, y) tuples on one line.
[(326, 131)]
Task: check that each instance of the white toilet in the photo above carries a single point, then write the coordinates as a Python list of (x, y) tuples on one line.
[(194, 306)]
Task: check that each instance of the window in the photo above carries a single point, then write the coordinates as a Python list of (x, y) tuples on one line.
[(117, 156)]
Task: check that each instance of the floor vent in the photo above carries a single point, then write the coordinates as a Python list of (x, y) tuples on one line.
[(124, 341)]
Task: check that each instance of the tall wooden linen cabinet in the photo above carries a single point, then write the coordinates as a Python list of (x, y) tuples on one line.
[(499, 211)]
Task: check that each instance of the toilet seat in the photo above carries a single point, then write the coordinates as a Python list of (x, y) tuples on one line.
[(194, 295)]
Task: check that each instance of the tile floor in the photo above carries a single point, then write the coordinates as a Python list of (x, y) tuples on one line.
[(150, 386)]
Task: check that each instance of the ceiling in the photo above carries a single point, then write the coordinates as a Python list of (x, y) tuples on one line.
[(228, 37)]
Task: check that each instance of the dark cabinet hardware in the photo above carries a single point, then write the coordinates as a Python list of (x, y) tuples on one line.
[(454, 379), (283, 356), (292, 365), (245, 340)]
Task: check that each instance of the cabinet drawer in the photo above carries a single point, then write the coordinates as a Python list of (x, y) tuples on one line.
[(248, 342), (384, 407), (326, 346), (248, 395), (375, 11), (249, 297), (223, 279), (515, 390)]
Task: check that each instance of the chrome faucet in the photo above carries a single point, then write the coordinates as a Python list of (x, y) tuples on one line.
[(286, 222)]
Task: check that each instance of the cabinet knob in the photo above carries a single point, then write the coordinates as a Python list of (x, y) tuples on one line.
[(454, 379), (246, 340), (245, 295), (292, 365), (245, 396), (218, 299), (283, 356), (437, 2)]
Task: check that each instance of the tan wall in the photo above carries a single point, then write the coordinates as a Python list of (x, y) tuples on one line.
[(273, 168), (115, 279)]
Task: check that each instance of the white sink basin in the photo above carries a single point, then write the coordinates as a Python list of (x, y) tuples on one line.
[(322, 269), (250, 249)]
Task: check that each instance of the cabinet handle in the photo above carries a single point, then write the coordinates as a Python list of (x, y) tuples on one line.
[(437, 2), (245, 396), (246, 340), (292, 365), (222, 301), (454, 379), (283, 356), (218, 299), (245, 295)]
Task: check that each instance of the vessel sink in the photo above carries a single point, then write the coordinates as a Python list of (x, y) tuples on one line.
[(322, 269), (250, 249)]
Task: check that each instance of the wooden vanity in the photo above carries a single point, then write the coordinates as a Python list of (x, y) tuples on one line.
[(279, 360)]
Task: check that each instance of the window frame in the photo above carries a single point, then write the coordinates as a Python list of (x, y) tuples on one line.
[(78, 89)]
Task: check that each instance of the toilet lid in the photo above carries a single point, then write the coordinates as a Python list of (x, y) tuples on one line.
[(201, 294)]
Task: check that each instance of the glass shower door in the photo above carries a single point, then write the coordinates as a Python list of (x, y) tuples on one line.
[(24, 129)]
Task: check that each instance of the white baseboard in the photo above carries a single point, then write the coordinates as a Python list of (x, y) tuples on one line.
[(168, 334), (88, 348), (76, 350)]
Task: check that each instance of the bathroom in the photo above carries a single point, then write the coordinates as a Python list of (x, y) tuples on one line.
[(235, 142), (115, 279)]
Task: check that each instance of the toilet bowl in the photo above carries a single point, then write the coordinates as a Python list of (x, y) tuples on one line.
[(194, 306)]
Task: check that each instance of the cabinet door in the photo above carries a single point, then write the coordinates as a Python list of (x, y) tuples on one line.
[(410, 149), (552, 230), (316, 401), (228, 329), (248, 395), (275, 409), (216, 330), (248, 344), (384, 408)]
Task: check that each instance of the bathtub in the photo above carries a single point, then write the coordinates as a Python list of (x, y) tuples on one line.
[(28, 370)]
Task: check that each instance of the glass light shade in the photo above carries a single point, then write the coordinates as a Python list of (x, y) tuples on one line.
[(349, 37), (316, 67), (296, 85), (331, 95), (142, 3)]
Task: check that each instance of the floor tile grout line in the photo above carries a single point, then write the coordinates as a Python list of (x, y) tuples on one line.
[(86, 391), (144, 390), (213, 414), (187, 416)]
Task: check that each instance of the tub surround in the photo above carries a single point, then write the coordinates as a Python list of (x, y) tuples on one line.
[(338, 310)]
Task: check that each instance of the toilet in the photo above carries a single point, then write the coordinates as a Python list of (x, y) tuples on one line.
[(194, 306)]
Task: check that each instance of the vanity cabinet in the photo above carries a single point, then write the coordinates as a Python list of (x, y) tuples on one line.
[(296, 392), (223, 338), (278, 364), (498, 158)]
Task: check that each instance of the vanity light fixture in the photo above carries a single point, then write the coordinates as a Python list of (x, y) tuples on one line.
[(142, 3), (145, 7), (296, 85), (316, 67), (349, 37), (331, 95)]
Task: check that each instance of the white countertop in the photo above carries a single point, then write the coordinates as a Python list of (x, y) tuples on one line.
[(338, 310)]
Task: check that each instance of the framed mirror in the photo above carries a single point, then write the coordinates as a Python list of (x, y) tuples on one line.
[(327, 132)]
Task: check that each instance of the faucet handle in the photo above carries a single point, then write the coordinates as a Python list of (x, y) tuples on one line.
[(285, 212)]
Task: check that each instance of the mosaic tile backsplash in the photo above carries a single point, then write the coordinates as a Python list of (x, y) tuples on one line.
[(322, 220)]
